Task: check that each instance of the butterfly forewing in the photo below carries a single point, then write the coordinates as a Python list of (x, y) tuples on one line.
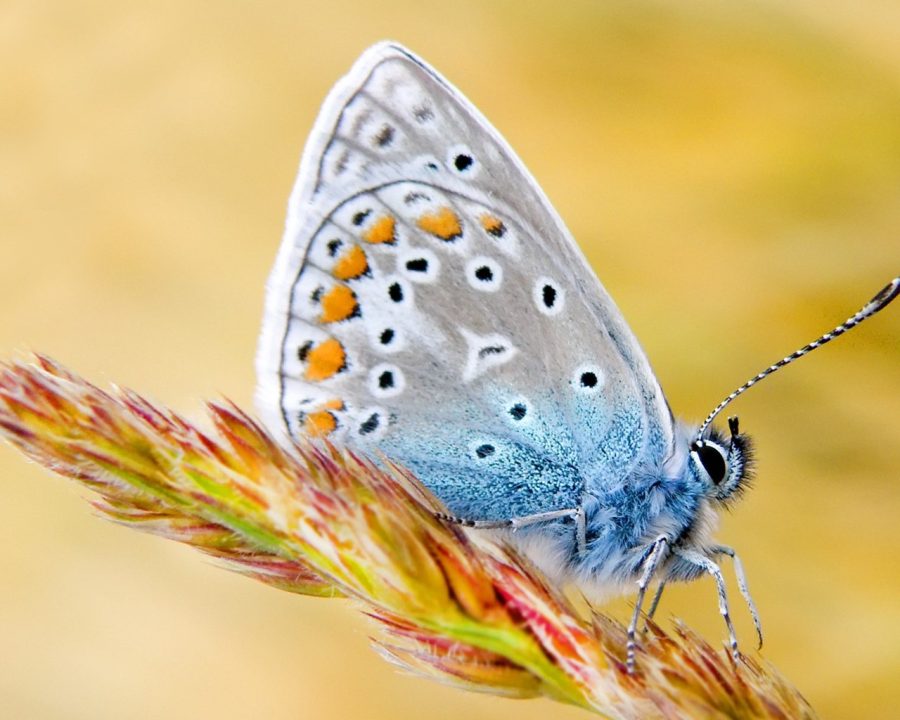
[(428, 303)]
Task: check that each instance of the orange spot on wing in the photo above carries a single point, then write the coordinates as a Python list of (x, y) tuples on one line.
[(443, 223), (325, 360), (338, 304), (319, 424), (351, 265), (381, 231), (492, 225)]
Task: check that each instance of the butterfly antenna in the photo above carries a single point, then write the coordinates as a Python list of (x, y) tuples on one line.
[(879, 302)]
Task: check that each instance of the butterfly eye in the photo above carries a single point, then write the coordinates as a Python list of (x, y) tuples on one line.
[(711, 458)]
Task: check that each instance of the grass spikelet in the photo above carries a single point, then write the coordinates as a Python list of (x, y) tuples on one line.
[(320, 520)]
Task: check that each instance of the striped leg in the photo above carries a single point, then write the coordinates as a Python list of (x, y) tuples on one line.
[(700, 560), (742, 586), (654, 604), (654, 558), (577, 514)]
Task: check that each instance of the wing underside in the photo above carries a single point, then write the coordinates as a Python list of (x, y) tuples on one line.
[(428, 303)]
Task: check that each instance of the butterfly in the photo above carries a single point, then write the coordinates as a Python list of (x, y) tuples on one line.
[(427, 304)]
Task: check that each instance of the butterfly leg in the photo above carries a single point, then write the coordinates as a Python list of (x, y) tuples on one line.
[(654, 604), (577, 514), (703, 562), (742, 586), (656, 555)]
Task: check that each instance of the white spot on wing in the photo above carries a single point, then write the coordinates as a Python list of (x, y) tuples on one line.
[(485, 352)]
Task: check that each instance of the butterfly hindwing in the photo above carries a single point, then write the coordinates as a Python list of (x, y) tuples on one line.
[(428, 303)]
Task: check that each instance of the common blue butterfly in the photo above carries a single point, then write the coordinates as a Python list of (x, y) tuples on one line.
[(428, 303)]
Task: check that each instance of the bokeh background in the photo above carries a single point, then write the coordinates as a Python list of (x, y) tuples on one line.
[(732, 171)]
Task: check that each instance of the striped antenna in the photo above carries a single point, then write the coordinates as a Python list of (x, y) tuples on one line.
[(879, 302)]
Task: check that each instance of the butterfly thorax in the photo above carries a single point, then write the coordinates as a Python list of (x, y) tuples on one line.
[(678, 499)]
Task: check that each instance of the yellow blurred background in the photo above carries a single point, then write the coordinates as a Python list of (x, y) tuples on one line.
[(732, 171)]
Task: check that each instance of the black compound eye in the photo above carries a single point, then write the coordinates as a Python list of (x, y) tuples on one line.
[(712, 457)]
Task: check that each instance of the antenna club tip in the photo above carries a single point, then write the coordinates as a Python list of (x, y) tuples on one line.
[(886, 294)]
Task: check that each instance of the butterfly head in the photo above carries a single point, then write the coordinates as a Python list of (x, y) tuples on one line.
[(725, 466)]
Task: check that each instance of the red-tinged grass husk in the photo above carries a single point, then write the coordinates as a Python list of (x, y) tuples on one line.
[(320, 520)]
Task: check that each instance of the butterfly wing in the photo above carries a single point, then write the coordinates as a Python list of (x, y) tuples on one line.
[(427, 302)]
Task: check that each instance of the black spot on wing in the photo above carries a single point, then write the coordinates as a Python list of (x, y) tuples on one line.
[(370, 424), (385, 136), (423, 113), (518, 411), (417, 265), (463, 162), (548, 296), (483, 451), (492, 350)]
